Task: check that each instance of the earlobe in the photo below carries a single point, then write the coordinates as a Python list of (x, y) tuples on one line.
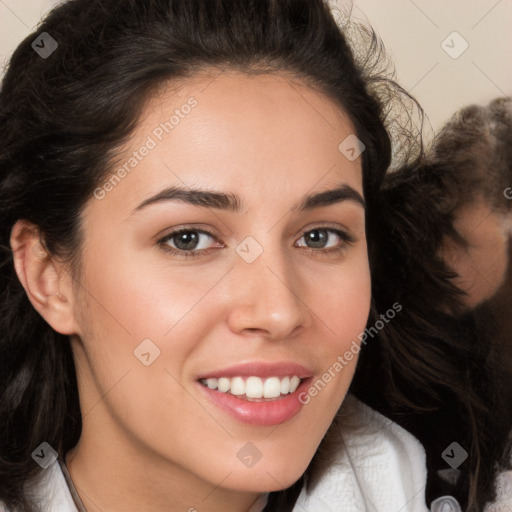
[(46, 282)]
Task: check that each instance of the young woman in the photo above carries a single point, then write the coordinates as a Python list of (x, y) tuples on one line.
[(189, 196)]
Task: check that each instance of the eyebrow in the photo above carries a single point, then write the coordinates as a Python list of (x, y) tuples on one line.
[(232, 202)]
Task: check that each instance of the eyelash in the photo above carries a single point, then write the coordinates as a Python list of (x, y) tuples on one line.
[(346, 238)]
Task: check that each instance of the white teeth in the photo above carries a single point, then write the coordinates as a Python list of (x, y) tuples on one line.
[(254, 387), (285, 385), (223, 385), (237, 386), (212, 383), (294, 383), (272, 387)]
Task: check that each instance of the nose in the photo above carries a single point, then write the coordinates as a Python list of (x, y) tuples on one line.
[(267, 298)]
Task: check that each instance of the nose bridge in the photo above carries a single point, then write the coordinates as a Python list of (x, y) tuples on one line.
[(268, 290)]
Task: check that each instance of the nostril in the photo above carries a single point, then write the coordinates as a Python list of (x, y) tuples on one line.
[(256, 330)]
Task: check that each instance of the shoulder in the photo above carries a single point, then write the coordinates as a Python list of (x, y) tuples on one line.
[(378, 465), (49, 491)]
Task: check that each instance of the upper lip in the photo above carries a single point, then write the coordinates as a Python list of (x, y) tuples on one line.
[(260, 369)]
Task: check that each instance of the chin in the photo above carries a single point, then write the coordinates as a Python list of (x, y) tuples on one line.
[(263, 483), (267, 477)]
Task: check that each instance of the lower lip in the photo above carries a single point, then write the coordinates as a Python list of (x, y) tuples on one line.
[(265, 413)]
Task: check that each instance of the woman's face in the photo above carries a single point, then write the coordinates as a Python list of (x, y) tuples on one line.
[(276, 288), (481, 267), (484, 269)]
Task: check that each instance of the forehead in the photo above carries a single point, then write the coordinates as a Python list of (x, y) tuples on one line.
[(249, 134)]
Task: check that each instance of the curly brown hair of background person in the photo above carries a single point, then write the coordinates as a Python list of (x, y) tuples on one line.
[(424, 208)]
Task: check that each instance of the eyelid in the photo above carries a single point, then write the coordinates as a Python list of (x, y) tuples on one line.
[(161, 239), (341, 232), (166, 233)]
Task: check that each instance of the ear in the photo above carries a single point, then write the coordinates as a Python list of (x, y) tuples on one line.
[(46, 281)]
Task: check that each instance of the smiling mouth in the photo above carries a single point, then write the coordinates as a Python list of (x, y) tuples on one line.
[(254, 389)]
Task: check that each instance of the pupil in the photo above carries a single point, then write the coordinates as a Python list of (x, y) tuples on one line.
[(183, 240), (317, 237)]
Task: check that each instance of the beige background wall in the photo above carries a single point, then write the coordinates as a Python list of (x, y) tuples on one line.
[(413, 31)]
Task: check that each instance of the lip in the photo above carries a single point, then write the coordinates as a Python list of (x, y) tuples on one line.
[(260, 369), (265, 413)]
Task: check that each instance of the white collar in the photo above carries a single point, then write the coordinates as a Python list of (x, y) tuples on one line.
[(378, 466)]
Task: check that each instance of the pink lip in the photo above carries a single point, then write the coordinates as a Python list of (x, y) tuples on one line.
[(256, 369), (266, 413)]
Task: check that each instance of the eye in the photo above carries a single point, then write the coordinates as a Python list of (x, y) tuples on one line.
[(187, 242), (326, 239)]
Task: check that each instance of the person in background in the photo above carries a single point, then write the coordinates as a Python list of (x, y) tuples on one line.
[(445, 237), (476, 146)]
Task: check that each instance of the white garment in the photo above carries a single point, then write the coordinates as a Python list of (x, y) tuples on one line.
[(503, 502), (50, 491), (379, 468)]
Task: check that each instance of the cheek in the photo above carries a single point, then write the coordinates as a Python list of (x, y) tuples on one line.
[(347, 306), (351, 305), (342, 305), (343, 300), (140, 324), (133, 300)]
